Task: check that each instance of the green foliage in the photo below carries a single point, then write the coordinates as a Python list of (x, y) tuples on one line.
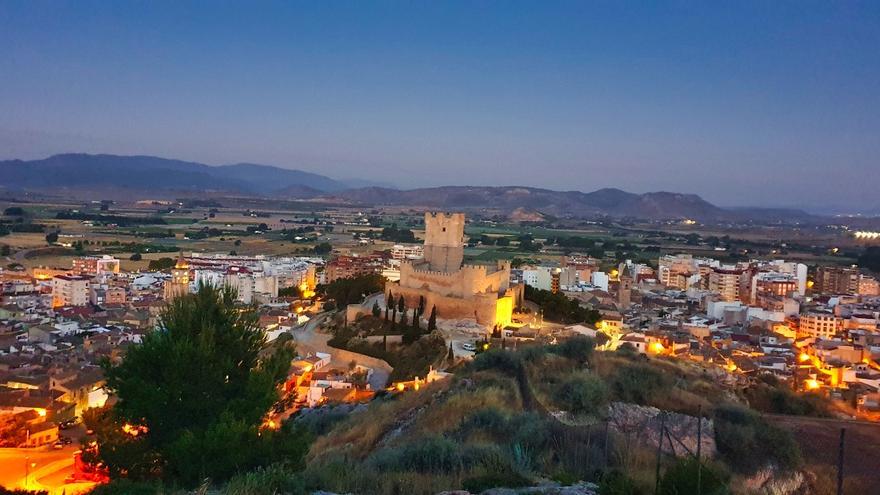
[(505, 479), (428, 455), (52, 237), (779, 400), (498, 359), (162, 264), (748, 443), (135, 257), (394, 234), (582, 393), (377, 311), (14, 211), (681, 479), (352, 290), (292, 291), (561, 308), (432, 320), (200, 387), (616, 482), (870, 258), (578, 348), (638, 383), (323, 248), (129, 487), (269, 480)]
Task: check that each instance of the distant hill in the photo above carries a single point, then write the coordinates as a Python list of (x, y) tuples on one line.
[(603, 202), (120, 177), (150, 173)]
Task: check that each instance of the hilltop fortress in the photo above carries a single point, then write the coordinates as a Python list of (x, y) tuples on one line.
[(479, 292)]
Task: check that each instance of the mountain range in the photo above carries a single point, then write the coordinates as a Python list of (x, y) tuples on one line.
[(152, 176)]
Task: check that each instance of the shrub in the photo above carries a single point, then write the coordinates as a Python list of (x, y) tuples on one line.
[(429, 455), (490, 419), (681, 479), (507, 479), (123, 486), (498, 359), (270, 480), (748, 443), (578, 348), (582, 394), (616, 482), (638, 383)]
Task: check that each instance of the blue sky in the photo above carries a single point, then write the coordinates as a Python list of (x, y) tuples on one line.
[(745, 103)]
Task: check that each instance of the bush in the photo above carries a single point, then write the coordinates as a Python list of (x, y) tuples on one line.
[(124, 486), (681, 479), (616, 482), (579, 348), (491, 420), (507, 479), (638, 383), (270, 480), (430, 455), (748, 443), (498, 359), (582, 394), (136, 257)]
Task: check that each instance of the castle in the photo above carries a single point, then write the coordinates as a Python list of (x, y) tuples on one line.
[(458, 291)]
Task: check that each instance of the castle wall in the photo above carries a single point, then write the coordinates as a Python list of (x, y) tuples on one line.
[(480, 307)]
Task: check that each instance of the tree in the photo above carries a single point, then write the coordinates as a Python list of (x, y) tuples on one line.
[(401, 307), (352, 290), (323, 248), (421, 305), (52, 237), (136, 257), (377, 311), (196, 390), (432, 320)]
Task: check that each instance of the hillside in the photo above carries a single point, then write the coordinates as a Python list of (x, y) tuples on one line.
[(568, 204), (85, 176), (149, 173), (557, 416)]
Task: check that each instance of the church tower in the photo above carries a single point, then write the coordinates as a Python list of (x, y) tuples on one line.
[(444, 241), (179, 283)]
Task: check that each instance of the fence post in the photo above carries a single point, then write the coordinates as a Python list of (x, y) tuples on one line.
[(659, 452), (699, 450), (607, 422), (840, 463)]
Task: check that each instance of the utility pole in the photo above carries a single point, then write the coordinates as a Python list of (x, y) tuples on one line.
[(840, 462), (659, 453), (699, 450)]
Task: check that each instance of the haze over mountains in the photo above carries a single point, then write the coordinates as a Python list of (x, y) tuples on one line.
[(150, 176)]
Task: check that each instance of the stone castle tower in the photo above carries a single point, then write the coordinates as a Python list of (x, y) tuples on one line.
[(444, 241)]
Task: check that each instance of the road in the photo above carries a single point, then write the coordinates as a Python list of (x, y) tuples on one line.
[(308, 339), (46, 469)]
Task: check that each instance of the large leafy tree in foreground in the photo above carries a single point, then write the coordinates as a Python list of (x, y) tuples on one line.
[(195, 392)]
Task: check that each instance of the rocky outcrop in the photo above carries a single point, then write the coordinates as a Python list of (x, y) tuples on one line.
[(643, 423)]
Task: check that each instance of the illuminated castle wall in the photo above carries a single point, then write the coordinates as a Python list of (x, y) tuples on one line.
[(479, 292)]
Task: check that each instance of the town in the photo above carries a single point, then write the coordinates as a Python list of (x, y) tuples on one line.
[(812, 328)]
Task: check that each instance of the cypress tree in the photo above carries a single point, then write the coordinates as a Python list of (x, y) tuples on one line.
[(432, 320)]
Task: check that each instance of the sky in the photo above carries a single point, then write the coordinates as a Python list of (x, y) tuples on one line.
[(766, 103)]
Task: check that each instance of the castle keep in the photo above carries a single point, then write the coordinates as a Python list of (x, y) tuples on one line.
[(479, 292)]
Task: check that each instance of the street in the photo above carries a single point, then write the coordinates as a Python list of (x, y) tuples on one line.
[(308, 340), (42, 468)]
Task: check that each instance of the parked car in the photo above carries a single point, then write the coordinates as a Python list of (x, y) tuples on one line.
[(468, 346), (58, 445)]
